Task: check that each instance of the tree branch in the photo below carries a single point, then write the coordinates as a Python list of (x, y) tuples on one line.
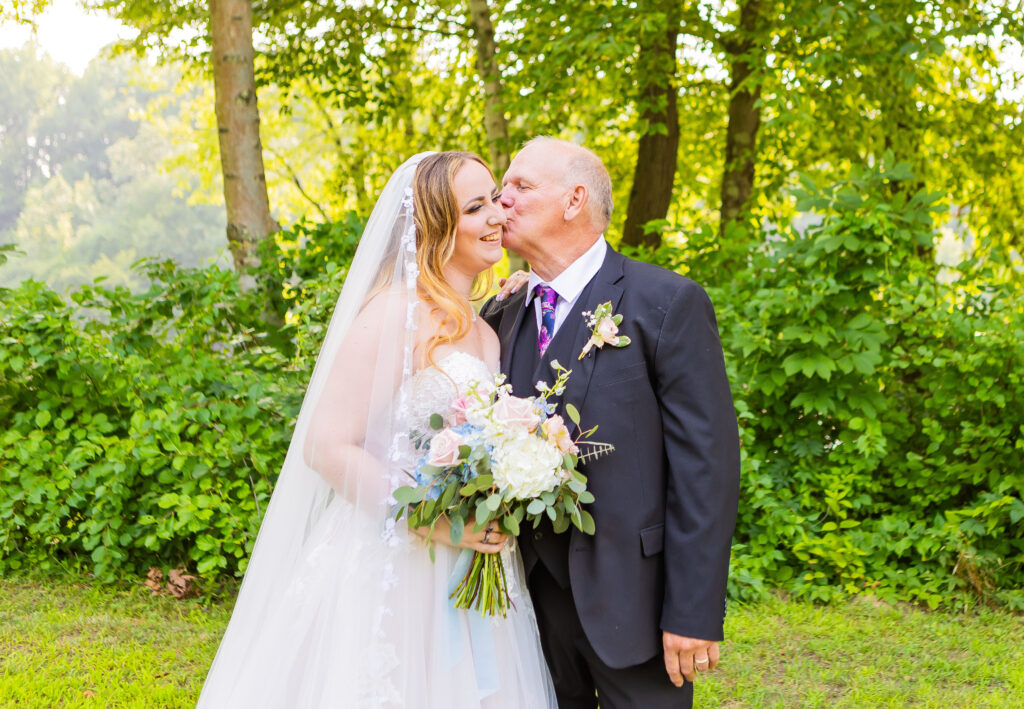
[(298, 184)]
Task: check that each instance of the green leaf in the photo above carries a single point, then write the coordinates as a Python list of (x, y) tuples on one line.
[(449, 494), (510, 525), (588, 522), (573, 413), (535, 507), (493, 502), (436, 422), (792, 364), (168, 500), (483, 515), (408, 495), (458, 526), (561, 523), (42, 418)]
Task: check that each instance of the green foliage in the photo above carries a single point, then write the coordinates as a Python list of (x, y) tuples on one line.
[(306, 261), (82, 191), (150, 434), (882, 411)]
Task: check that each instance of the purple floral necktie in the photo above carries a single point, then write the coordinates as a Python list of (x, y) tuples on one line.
[(548, 298)]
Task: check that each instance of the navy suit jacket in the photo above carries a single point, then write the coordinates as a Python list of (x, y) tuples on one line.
[(665, 499)]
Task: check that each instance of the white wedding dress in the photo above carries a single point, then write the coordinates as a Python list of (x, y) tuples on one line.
[(366, 620)]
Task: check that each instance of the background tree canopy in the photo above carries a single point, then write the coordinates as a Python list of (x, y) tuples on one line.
[(843, 177)]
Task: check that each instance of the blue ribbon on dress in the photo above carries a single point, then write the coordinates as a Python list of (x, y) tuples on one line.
[(481, 636)]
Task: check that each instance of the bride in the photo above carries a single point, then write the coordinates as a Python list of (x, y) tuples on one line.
[(341, 606)]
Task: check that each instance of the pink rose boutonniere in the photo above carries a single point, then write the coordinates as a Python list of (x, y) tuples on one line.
[(604, 325)]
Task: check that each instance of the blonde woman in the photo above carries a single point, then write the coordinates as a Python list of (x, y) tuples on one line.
[(341, 606)]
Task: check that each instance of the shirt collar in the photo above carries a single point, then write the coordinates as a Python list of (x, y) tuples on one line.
[(571, 282)]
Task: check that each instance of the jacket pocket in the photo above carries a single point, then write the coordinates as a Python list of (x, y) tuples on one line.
[(629, 373), (652, 539)]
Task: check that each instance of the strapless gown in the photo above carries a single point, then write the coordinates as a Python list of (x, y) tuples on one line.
[(367, 622)]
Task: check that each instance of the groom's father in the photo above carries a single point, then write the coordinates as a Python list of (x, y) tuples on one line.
[(634, 609)]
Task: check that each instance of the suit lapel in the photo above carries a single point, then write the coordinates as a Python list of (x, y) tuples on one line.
[(603, 290), (511, 320)]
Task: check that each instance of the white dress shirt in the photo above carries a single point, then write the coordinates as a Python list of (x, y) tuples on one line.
[(569, 283)]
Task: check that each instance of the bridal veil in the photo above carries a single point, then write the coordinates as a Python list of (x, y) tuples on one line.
[(340, 605)]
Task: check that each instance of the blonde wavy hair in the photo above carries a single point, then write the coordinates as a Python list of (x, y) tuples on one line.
[(436, 213)]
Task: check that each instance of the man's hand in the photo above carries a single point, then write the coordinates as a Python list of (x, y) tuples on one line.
[(685, 657)]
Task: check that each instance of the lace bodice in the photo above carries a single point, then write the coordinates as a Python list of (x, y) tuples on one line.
[(432, 389)]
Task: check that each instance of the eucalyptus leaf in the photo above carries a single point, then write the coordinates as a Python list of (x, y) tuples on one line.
[(535, 507), (457, 525), (573, 413)]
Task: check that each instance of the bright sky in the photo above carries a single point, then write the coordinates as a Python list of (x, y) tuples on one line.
[(67, 33)]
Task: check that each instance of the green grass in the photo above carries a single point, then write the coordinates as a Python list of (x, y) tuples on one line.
[(792, 654), (76, 644), (68, 644)]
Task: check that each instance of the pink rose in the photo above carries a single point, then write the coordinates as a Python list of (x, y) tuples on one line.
[(513, 411), (459, 408), (608, 331), (555, 431), (444, 449)]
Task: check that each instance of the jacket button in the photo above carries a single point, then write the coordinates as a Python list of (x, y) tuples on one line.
[(538, 535)]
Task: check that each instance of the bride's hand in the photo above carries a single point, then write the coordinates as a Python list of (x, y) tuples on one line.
[(512, 284), (487, 542)]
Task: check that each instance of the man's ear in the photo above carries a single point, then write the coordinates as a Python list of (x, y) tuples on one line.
[(577, 201)]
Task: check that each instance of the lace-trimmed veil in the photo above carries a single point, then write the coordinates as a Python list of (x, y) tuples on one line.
[(339, 606), (357, 389)]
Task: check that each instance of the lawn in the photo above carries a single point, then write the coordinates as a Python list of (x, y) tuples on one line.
[(76, 644)]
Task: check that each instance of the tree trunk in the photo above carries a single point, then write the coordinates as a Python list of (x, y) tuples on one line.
[(495, 123), (238, 125), (744, 115), (657, 151)]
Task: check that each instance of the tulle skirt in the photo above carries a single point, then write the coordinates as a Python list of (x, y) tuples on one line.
[(366, 622)]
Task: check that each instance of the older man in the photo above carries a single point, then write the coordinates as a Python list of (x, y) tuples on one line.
[(637, 608)]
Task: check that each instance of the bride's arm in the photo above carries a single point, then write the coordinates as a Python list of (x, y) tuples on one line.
[(361, 383)]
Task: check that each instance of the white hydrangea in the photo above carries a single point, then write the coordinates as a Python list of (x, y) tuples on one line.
[(526, 466)]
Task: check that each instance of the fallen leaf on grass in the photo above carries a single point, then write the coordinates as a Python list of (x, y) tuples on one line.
[(181, 584), (154, 579)]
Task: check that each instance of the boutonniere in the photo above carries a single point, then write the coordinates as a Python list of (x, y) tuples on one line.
[(604, 329)]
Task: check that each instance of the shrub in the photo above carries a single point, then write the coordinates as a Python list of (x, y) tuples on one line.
[(881, 410), (149, 434)]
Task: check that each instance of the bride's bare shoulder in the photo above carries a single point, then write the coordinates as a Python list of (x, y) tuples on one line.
[(380, 319), (386, 307)]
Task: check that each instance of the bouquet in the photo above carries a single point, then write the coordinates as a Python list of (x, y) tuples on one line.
[(503, 459)]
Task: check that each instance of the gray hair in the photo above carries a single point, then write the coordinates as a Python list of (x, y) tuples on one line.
[(586, 168)]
